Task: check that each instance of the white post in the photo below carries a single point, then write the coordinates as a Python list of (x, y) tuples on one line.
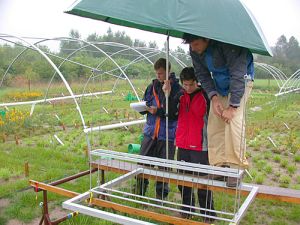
[(167, 98)]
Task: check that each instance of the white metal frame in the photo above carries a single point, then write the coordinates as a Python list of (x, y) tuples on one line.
[(108, 190), (74, 205)]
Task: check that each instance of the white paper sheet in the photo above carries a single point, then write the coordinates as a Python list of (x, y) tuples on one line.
[(138, 106)]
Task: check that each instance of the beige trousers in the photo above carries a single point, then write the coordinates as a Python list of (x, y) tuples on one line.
[(226, 141)]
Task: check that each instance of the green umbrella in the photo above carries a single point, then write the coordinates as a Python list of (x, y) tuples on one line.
[(227, 21)]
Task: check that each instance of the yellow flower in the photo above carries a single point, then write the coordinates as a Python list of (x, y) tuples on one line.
[(16, 116), (18, 96)]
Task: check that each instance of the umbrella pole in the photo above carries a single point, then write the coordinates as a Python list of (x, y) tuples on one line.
[(167, 98)]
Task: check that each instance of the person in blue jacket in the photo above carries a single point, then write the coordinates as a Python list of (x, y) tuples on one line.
[(226, 73), (154, 142)]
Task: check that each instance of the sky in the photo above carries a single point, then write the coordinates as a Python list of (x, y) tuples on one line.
[(46, 19)]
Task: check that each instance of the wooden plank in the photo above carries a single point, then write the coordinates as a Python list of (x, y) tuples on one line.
[(279, 194), (144, 213), (118, 207), (57, 190)]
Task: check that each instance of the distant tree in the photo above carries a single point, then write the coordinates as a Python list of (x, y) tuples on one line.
[(44, 48), (139, 43), (152, 44), (286, 56), (69, 46), (31, 76), (293, 49), (74, 34), (44, 70), (122, 37), (182, 55), (109, 35), (93, 37), (119, 37), (90, 50), (281, 47)]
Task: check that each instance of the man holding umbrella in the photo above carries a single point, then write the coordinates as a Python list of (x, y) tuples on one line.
[(226, 73)]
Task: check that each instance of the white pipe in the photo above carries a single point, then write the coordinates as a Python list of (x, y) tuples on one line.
[(105, 109), (54, 99), (167, 97), (32, 109), (57, 138), (273, 143), (124, 126), (112, 126), (286, 92)]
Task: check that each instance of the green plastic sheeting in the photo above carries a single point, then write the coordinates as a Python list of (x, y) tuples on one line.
[(227, 21)]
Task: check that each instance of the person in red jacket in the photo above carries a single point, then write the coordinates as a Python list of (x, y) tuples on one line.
[(192, 105)]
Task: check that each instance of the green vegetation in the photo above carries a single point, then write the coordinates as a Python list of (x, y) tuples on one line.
[(4, 174), (34, 139), (37, 145)]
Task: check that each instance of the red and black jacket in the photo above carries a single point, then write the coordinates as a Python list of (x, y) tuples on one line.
[(191, 130)]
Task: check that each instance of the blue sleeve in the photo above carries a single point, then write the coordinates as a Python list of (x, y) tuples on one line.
[(236, 61), (147, 97), (203, 75)]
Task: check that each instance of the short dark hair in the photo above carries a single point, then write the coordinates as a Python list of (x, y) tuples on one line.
[(161, 63), (189, 38), (188, 73)]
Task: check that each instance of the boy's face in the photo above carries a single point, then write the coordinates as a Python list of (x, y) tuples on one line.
[(189, 86), (199, 45), (161, 74)]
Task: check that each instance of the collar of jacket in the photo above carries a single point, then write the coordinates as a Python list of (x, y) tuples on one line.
[(172, 79)]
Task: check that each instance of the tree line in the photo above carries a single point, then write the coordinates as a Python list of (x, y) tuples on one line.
[(33, 67), (286, 55)]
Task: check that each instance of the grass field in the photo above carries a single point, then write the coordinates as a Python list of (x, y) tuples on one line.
[(30, 139)]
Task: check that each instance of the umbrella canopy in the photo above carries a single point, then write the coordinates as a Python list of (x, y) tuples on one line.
[(227, 21)]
